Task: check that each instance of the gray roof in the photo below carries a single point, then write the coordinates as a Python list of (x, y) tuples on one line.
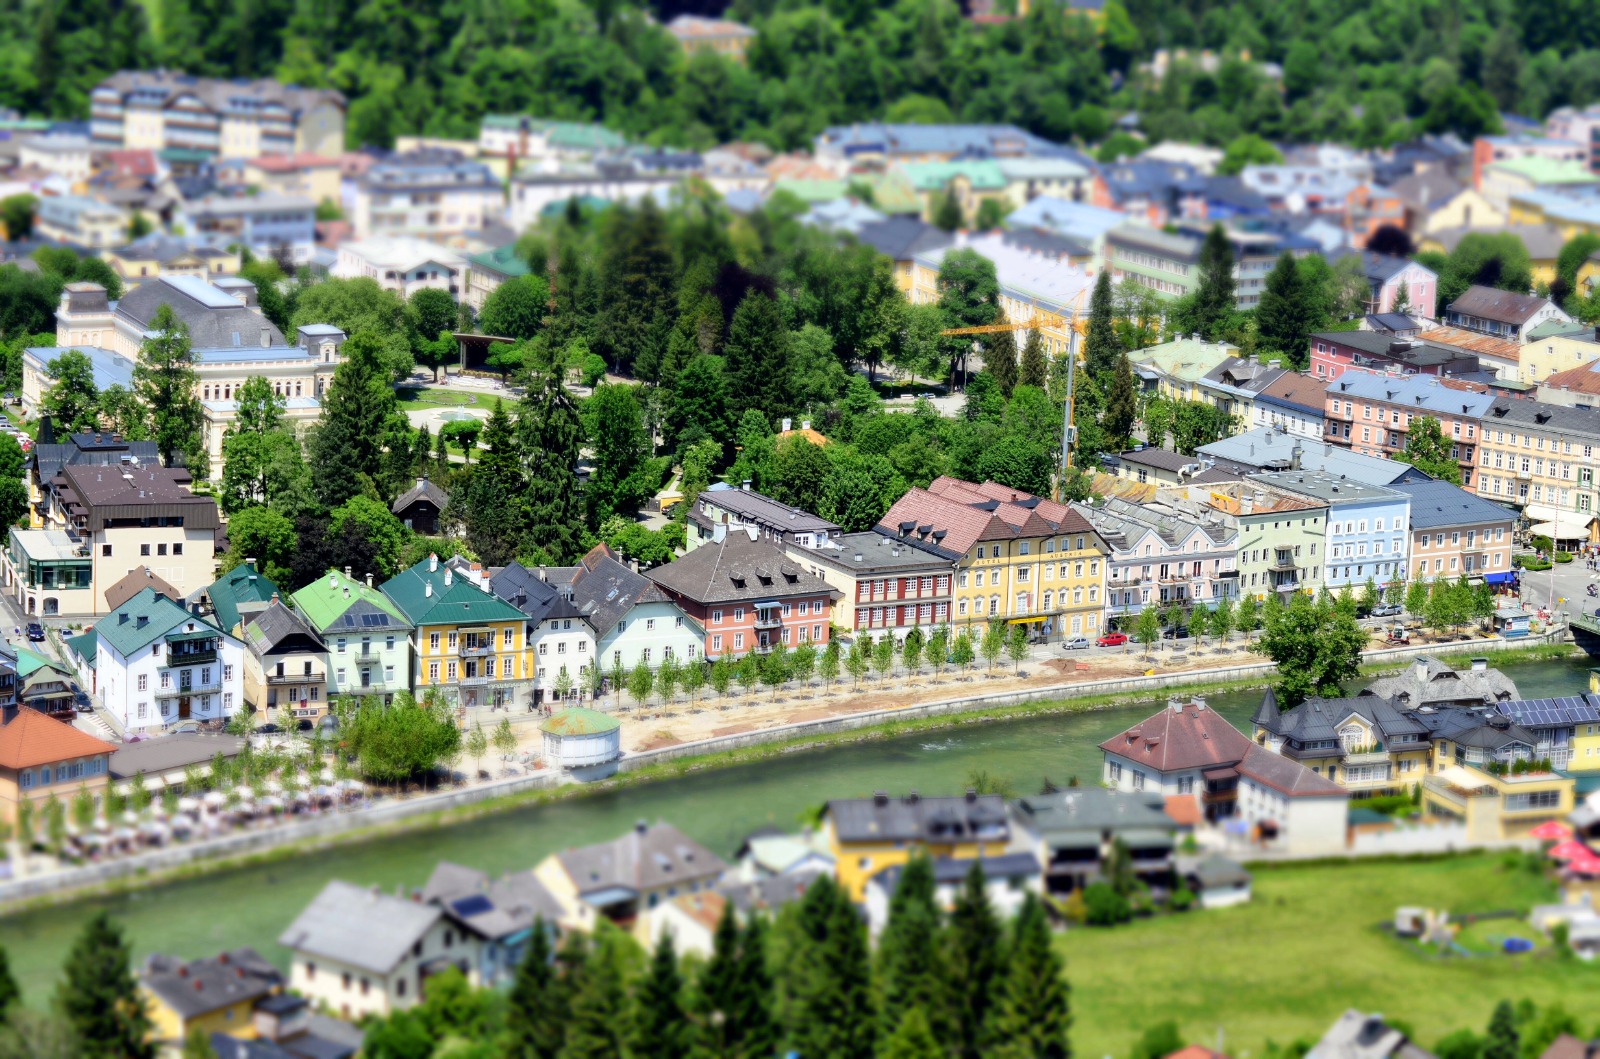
[(902, 238), (1438, 504), (604, 590), (491, 909), (1318, 720), (1514, 412), (105, 449), (1161, 459), (280, 625), (647, 857), (772, 892), (532, 594), (359, 926), (1359, 1036), (1410, 351), (747, 506), (1091, 810), (953, 871), (423, 490), (1503, 306), (199, 986), (167, 753), (1421, 393), (1214, 870), (1270, 449), (877, 552), (1427, 680), (1427, 190), (737, 569), (1325, 487), (916, 819), (1286, 776), (216, 319)]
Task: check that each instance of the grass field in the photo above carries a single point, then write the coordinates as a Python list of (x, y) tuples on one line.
[(412, 398), (1308, 946)]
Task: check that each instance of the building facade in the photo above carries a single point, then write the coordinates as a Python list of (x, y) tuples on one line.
[(1540, 457), (158, 666), (1372, 414), (1454, 533), (1367, 526), (366, 636), (428, 193), (163, 110), (467, 643), (883, 586)]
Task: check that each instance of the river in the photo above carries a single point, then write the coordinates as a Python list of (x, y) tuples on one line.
[(253, 905)]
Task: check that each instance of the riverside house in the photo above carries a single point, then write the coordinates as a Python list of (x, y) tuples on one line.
[(368, 638), (158, 666), (867, 836), (467, 642), (42, 757)]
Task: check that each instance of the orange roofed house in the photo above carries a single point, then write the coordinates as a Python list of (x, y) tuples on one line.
[(1189, 750), (41, 756), (1014, 556)]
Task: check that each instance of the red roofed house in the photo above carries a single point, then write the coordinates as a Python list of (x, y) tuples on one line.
[(41, 756), (1188, 749), (1015, 556)]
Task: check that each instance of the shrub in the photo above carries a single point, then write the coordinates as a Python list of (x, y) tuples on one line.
[(1562, 557), (1389, 804), (1182, 899), (1105, 907), (1073, 909), (1529, 562)]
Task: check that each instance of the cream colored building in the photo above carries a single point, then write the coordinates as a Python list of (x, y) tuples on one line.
[(626, 879), (66, 156), (162, 109), (308, 176), (1562, 347), (1541, 457)]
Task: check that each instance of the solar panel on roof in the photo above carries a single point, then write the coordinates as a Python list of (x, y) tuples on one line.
[(475, 905)]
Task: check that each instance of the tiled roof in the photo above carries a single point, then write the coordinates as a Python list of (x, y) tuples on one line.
[(359, 926), (239, 587), (35, 739), (336, 600), (1585, 378), (132, 583), (1502, 306), (199, 987), (1294, 390), (604, 589), (737, 568), (647, 857), (423, 490), (1180, 737)]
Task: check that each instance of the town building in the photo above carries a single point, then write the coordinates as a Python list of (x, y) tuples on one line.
[(419, 507), (1187, 749), (536, 191), (428, 193), (488, 270), (1072, 833), (1359, 1036), (1161, 555), (402, 264), (164, 110), (234, 598), (560, 639), (1151, 465), (1232, 386), (748, 595), (63, 154), (1008, 880), (1372, 414), (467, 643), (1335, 352), (624, 879), (41, 757), (1365, 743), (722, 508), (1540, 457), (1278, 539), (303, 175), (1495, 807), (281, 227), (1454, 533), (1430, 682), (157, 666), (156, 255), (1515, 176), (1168, 262), (366, 637), (880, 583), (1573, 388), (1502, 314), (80, 221), (213, 995), (1016, 556), (285, 667), (1499, 359), (1489, 150), (867, 836), (1367, 526), (901, 239), (633, 619), (1556, 347), (1291, 403), (1175, 369), (866, 143), (698, 35), (501, 913), (1389, 277), (358, 951)]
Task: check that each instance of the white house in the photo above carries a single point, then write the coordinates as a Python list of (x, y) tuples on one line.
[(158, 665), (632, 617), (402, 264), (560, 638), (1008, 879)]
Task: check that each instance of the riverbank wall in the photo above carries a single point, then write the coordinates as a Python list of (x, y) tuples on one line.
[(390, 817)]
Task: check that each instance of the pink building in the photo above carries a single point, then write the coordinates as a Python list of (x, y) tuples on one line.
[(1335, 352)]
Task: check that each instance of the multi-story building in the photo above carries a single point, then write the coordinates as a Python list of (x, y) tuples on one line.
[(157, 255), (402, 264), (213, 996), (468, 644), (1372, 414), (866, 836), (157, 665), (1556, 347), (536, 190), (1280, 536), (1168, 262), (1454, 533), (366, 637), (864, 143), (234, 598), (429, 193), (1163, 554), (1291, 404), (488, 270), (81, 221), (270, 225), (635, 621), (43, 758), (884, 587), (1177, 370), (561, 642), (1502, 314), (1388, 276), (164, 110), (1015, 556), (1269, 449), (748, 595), (1335, 352), (1540, 457), (1365, 743), (724, 508), (1233, 386), (1367, 526), (519, 137), (66, 155), (1487, 150), (285, 665), (309, 176), (717, 36)]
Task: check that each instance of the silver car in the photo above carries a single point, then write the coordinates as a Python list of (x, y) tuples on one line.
[(1075, 643)]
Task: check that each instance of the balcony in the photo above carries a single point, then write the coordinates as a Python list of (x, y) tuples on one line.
[(768, 620), (477, 650), (296, 678), (373, 687), (1366, 782), (175, 660), (1284, 561), (1366, 757)]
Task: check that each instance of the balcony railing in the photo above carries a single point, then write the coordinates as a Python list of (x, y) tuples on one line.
[(296, 678), (375, 687), (1367, 757), (190, 658), (771, 621), (477, 650)]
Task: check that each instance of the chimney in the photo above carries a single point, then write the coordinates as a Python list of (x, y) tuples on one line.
[(333, 579), (880, 798), (369, 580), (544, 575), (1480, 664), (641, 826), (427, 589), (745, 485), (266, 337), (805, 424), (433, 562), (633, 564), (347, 573), (274, 597), (787, 424), (449, 577)]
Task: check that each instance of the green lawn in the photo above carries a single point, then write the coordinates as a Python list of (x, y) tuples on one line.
[(412, 398), (1308, 946)]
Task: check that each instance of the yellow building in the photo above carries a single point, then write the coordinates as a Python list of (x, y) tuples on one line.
[(1558, 346), (1540, 457), (868, 835), (1570, 215), (1361, 743), (1542, 240), (215, 995), (1016, 557), (1497, 808), (467, 643)]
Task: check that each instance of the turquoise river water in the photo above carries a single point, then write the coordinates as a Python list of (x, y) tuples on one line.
[(252, 905)]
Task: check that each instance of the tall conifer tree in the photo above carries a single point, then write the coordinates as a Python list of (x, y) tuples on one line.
[(1032, 1017), (551, 434), (756, 358), (660, 1027), (1122, 404), (536, 1008), (976, 959), (164, 380), (912, 972), (1284, 316), (1000, 358), (832, 989), (1100, 342), (1034, 368), (1214, 299), (99, 997)]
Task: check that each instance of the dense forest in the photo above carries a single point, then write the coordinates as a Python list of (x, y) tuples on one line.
[(1365, 71)]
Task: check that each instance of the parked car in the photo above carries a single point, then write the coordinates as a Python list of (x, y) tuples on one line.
[(1112, 639), (1176, 632), (1075, 643), (35, 631), (80, 698), (1387, 610)]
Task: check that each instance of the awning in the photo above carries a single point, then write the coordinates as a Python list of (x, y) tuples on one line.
[(1557, 524), (1500, 579), (1029, 621)]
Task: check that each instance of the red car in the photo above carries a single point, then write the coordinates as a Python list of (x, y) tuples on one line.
[(1112, 639)]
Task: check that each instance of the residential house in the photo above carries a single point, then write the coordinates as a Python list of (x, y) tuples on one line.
[(871, 567), (1489, 150), (157, 665), (607, 179), (1019, 557), (1539, 234), (1568, 176), (164, 110), (402, 264), (536, 139), (1008, 182), (1359, 1036), (698, 34), (748, 595), (1496, 807), (1072, 833), (428, 193), (1175, 369), (1367, 534), (1389, 277), (1168, 263), (156, 255), (1540, 457), (1432, 200), (1279, 535), (1335, 352), (1160, 466), (488, 270), (287, 1028), (1292, 404), (1372, 414), (867, 836), (1147, 191), (419, 507), (80, 221), (236, 597), (467, 643), (1162, 555), (213, 995), (901, 239), (1187, 749), (285, 667), (1557, 346), (722, 508), (865, 143), (63, 154), (1216, 882), (501, 913), (1498, 358), (1232, 386), (691, 919), (1574, 388), (1395, 325), (1501, 314), (1008, 879), (41, 684), (1365, 743), (633, 619), (1455, 533), (624, 879), (560, 639), (366, 636), (302, 175), (269, 225), (359, 952), (1268, 449), (1430, 682), (41, 757), (1078, 221)]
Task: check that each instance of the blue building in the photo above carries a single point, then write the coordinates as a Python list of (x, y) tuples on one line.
[(1367, 528)]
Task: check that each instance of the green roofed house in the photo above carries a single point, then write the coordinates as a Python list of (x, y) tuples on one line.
[(1512, 176), (237, 595), (367, 637), (971, 180), (468, 643), (44, 684), (486, 271), (158, 667)]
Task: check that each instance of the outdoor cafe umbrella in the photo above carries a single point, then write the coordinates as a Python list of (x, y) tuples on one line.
[(1551, 831), (1588, 864), (1571, 849)]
